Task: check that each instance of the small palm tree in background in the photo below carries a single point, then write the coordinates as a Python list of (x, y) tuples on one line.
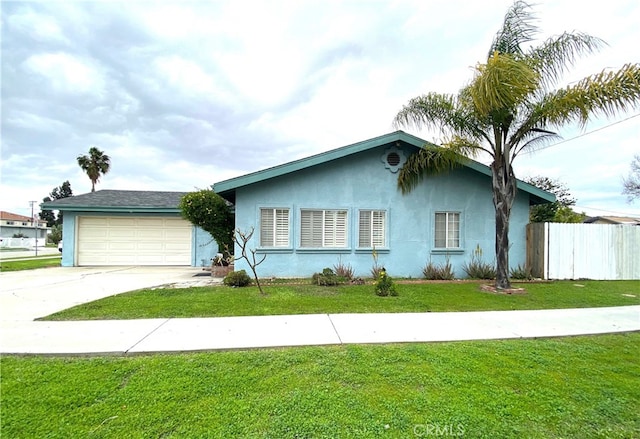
[(95, 164), (510, 107)]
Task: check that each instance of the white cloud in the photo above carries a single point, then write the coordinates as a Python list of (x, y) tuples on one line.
[(67, 74), (38, 26), (184, 94)]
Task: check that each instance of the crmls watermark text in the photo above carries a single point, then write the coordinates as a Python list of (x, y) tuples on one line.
[(423, 430)]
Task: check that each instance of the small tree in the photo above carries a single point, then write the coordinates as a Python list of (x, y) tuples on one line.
[(62, 191), (210, 212), (242, 239), (632, 183), (56, 234), (560, 210)]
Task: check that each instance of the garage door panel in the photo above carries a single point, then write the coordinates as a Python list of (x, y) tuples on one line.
[(122, 222), (153, 222), (93, 246), (151, 246), (121, 233), (178, 247), (133, 241), (95, 221), (122, 246), (151, 234)]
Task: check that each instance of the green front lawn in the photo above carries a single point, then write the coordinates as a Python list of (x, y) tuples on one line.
[(307, 299), (578, 387), (30, 264)]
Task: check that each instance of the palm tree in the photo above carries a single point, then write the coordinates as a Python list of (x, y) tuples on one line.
[(95, 164), (510, 107)]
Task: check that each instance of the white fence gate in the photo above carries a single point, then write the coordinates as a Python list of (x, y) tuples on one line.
[(583, 251)]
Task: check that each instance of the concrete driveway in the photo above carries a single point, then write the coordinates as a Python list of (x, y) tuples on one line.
[(27, 295)]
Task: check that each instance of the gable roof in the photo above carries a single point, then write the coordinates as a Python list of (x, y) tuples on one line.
[(107, 200), (13, 216), (227, 188), (614, 220)]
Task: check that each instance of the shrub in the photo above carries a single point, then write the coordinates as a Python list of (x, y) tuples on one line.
[(325, 279), (212, 213), (477, 268), (344, 271), (384, 285), (375, 268), (443, 271), (521, 273), (237, 279), (375, 271)]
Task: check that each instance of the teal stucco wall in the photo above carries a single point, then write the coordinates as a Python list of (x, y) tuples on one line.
[(362, 181), (203, 247)]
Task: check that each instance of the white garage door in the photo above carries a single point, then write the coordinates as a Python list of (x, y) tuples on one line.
[(133, 241)]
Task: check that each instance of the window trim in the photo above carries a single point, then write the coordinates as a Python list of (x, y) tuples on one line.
[(274, 248), (385, 230), (347, 227), (445, 249)]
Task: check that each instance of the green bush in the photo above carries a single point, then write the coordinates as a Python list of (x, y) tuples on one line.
[(56, 234), (237, 279), (212, 213), (433, 271), (384, 285), (344, 271), (521, 273), (477, 268), (325, 279)]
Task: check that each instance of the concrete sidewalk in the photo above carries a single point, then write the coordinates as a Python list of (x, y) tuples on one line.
[(204, 334), (43, 292)]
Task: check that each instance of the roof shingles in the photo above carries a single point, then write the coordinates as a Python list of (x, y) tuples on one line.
[(113, 200)]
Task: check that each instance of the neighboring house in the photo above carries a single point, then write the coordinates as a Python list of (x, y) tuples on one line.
[(13, 224), (623, 220), (344, 204), (113, 227)]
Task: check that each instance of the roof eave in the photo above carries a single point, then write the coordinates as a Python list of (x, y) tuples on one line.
[(111, 209)]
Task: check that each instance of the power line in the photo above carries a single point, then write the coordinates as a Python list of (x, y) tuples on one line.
[(583, 134), (576, 207)]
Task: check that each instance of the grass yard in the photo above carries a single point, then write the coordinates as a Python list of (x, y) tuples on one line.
[(308, 299), (30, 264), (578, 387)]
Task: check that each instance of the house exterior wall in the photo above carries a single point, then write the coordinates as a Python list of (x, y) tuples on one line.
[(361, 181), (7, 231), (202, 245)]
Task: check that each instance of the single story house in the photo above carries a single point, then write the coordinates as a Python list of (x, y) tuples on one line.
[(344, 206), (115, 227)]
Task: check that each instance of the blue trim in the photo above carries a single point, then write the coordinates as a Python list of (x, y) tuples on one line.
[(341, 250)]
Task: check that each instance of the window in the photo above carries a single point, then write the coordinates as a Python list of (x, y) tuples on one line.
[(372, 228), (274, 227), (323, 228), (447, 233), (10, 223)]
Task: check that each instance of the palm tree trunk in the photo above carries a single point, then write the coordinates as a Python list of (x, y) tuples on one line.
[(504, 191)]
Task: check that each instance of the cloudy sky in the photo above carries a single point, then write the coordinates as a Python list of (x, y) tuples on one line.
[(184, 94)]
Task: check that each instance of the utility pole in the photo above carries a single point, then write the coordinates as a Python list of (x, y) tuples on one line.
[(34, 224)]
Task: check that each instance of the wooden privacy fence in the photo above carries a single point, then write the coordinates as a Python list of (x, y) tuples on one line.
[(583, 251)]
